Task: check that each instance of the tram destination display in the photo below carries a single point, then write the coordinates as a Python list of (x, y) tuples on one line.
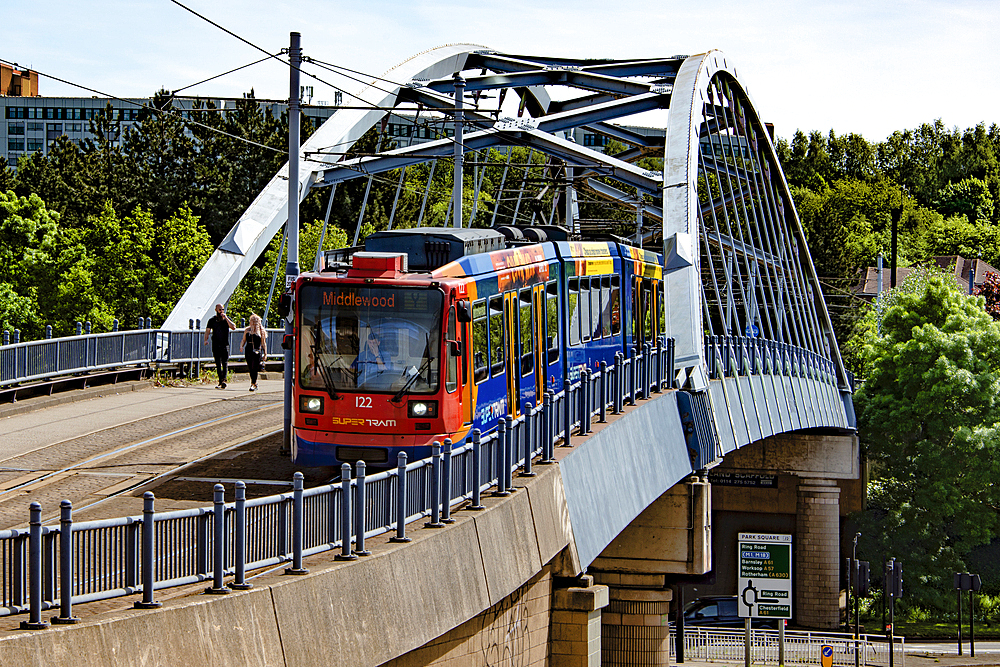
[(765, 575)]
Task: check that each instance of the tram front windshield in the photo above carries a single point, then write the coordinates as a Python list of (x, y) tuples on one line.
[(361, 339)]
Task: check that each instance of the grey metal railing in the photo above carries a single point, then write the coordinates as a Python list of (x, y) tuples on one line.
[(33, 361), (801, 647)]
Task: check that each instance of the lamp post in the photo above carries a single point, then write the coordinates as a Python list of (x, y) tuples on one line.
[(856, 580)]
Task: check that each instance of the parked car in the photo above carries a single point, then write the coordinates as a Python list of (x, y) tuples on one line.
[(720, 611)]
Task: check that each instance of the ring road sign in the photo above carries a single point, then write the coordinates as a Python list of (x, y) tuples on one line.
[(765, 575)]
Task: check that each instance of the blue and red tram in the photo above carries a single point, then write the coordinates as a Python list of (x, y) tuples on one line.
[(432, 332)]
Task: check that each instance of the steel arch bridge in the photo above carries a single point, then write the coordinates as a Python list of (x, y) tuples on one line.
[(742, 294)]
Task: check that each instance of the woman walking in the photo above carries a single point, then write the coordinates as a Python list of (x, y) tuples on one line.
[(255, 342)]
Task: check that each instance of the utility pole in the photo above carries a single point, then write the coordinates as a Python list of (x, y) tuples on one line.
[(292, 225)]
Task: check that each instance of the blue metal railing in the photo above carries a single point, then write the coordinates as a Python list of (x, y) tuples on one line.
[(47, 567), (39, 360)]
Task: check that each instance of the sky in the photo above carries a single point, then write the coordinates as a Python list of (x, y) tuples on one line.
[(865, 66)]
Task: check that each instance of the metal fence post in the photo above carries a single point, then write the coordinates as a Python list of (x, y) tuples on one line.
[(617, 385), (218, 586), (435, 521), (529, 440), (34, 621), (359, 512), (548, 414), (446, 482), (477, 470), (647, 370), (400, 499), (632, 379), (297, 524), (567, 415), (345, 514), (508, 456), (584, 401), (604, 391), (65, 616), (240, 547), (148, 553), (499, 457)]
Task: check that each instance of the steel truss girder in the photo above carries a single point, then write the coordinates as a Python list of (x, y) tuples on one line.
[(763, 232), (762, 251), (555, 76), (514, 134)]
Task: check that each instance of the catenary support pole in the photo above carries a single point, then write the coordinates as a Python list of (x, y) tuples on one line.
[(459, 155), (292, 263)]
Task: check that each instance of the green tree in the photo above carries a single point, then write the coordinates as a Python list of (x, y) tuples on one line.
[(970, 197), (47, 273), (928, 411)]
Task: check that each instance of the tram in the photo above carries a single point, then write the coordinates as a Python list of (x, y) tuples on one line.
[(429, 333)]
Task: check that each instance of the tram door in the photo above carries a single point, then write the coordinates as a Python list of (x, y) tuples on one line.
[(538, 312), (513, 352), (465, 374)]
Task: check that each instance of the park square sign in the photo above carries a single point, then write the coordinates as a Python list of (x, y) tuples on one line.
[(765, 575)]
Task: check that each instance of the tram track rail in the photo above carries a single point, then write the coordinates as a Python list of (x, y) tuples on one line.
[(97, 472)]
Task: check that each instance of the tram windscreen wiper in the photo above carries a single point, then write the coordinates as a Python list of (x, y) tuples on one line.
[(326, 374), (324, 371), (413, 378)]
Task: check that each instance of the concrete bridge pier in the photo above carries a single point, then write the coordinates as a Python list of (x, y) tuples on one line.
[(672, 536), (817, 552)]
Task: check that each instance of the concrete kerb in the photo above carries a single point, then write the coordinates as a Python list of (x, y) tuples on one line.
[(71, 396)]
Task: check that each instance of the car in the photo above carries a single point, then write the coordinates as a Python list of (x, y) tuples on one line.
[(720, 611)]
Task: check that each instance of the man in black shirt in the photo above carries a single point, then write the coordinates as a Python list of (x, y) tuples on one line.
[(219, 327)]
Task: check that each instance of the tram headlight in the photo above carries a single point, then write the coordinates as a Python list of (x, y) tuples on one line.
[(423, 409), (312, 404)]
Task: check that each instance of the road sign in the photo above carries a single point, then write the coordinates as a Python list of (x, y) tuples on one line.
[(765, 575), (826, 656)]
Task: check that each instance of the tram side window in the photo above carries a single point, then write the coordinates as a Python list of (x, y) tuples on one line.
[(552, 315), (606, 306), (480, 341), (527, 348), (616, 306), (496, 336), (586, 320), (573, 302), (451, 368)]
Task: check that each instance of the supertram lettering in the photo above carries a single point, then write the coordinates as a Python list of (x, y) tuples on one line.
[(347, 421), (331, 298), (360, 421)]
